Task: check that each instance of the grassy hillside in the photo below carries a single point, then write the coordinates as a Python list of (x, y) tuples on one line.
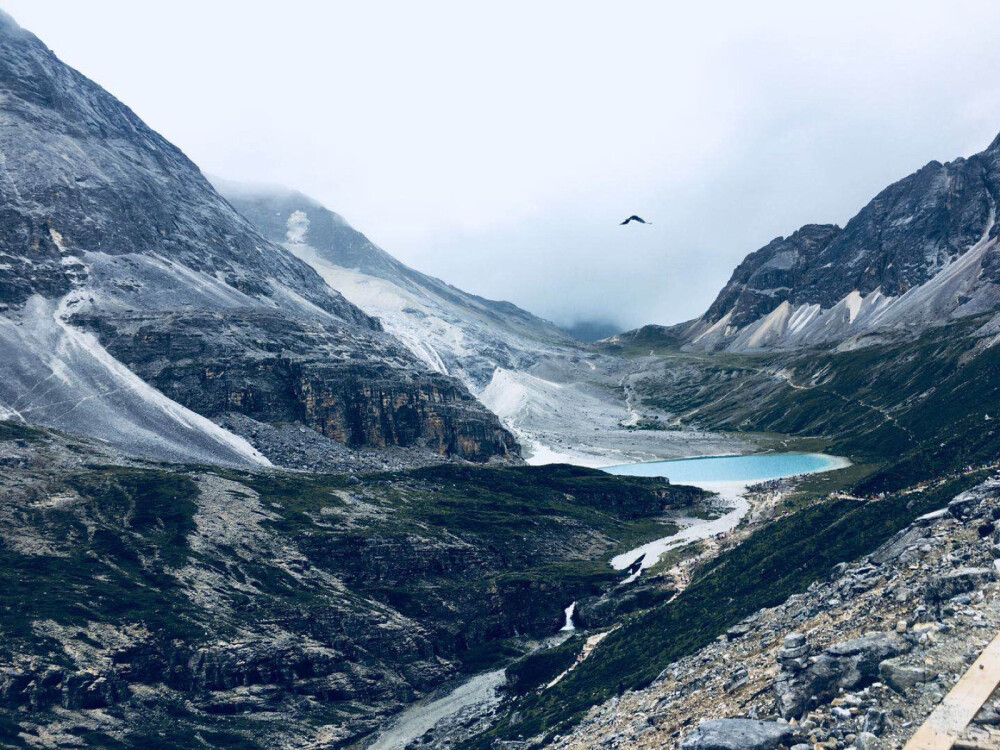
[(775, 562), (918, 406), (251, 608)]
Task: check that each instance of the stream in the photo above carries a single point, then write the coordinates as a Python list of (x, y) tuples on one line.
[(729, 476)]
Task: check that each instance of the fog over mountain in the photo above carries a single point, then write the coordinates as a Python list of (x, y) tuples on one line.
[(503, 154), (266, 485)]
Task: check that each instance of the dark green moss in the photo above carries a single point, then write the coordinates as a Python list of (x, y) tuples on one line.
[(128, 528), (541, 667)]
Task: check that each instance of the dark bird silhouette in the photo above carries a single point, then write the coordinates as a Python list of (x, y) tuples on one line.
[(633, 217)]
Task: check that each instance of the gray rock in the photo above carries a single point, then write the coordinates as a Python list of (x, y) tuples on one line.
[(874, 722), (794, 640), (902, 677), (740, 734), (963, 506), (738, 631), (988, 716), (843, 666), (793, 653), (737, 679), (946, 585)]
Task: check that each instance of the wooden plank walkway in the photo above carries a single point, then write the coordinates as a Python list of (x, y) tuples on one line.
[(944, 728)]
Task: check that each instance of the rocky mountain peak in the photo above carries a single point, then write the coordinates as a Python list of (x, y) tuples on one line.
[(884, 268), (120, 256), (769, 275)]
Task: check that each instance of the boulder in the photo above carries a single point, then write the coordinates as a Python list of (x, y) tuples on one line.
[(904, 540), (740, 734), (955, 582), (854, 663), (843, 666), (901, 677), (963, 506), (738, 630)]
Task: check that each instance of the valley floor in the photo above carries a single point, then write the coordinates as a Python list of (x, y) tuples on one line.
[(583, 411)]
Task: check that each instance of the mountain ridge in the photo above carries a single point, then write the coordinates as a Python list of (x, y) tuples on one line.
[(921, 252), (110, 236), (453, 331)]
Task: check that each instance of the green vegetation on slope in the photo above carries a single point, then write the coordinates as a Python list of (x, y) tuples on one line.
[(360, 593), (775, 562), (919, 406), (910, 412), (116, 529), (503, 550)]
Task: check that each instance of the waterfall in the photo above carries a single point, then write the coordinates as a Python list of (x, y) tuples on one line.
[(569, 617)]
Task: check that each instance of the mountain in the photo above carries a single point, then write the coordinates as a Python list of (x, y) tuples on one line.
[(452, 331), (174, 605), (590, 331), (563, 400), (878, 342), (923, 252), (138, 307)]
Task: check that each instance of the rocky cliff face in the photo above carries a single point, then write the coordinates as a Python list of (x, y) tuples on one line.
[(771, 275), (279, 371), (450, 330), (922, 252), (115, 249)]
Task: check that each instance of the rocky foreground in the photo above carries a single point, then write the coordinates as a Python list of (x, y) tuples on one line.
[(859, 660)]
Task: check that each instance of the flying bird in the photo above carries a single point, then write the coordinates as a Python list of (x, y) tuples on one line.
[(633, 217)]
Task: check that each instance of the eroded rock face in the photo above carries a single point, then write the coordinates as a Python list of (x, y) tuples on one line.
[(351, 386), (768, 277), (82, 173)]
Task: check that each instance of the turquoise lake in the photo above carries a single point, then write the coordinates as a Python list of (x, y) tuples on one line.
[(757, 467)]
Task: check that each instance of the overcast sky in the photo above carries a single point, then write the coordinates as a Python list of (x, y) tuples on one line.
[(498, 146)]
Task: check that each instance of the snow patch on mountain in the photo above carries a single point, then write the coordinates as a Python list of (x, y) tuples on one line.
[(524, 401), (955, 291), (59, 376), (451, 331)]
